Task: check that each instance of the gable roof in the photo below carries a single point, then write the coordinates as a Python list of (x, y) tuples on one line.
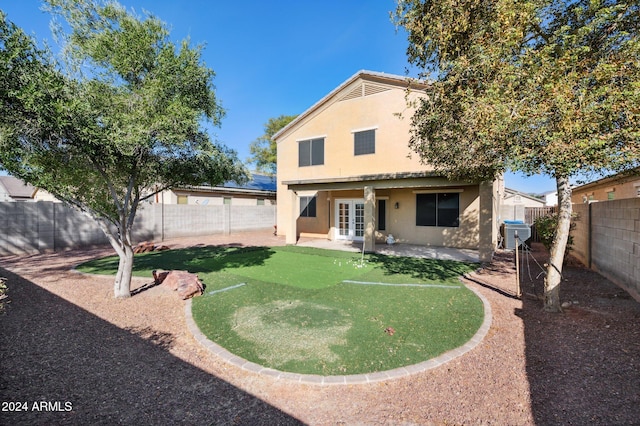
[(17, 188), (370, 77), (522, 194)]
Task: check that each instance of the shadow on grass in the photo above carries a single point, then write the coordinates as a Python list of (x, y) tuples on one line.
[(420, 268), (193, 259), (207, 259), (54, 351)]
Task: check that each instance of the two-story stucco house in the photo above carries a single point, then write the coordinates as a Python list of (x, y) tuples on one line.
[(345, 171)]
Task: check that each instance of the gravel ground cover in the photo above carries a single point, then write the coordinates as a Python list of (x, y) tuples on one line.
[(71, 354)]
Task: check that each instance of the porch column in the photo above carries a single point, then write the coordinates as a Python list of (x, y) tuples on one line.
[(369, 219), (292, 219), (486, 222)]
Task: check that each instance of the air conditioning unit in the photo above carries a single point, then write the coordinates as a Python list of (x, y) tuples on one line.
[(511, 230)]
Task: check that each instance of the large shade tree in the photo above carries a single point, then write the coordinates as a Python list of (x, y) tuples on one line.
[(264, 149), (538, 86), (119, 119)]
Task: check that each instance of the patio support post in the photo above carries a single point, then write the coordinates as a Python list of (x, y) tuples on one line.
[(486, 222), (292, 227), (369, 219)]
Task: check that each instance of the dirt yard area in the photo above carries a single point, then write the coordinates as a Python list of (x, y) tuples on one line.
[(71, 354)]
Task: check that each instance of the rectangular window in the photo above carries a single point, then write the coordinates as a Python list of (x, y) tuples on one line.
[(611, 195), (382, 215), (307, 206), (183, 199), (364, 142), (226, 201), (438, 209), (260, 202), (448, 209), (311, 152)]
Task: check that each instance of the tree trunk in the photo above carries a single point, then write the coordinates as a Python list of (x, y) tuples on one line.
[(558, 247), (121, 243), (122, 285)]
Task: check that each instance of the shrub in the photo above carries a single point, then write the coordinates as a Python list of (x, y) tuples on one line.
[(546, 227)]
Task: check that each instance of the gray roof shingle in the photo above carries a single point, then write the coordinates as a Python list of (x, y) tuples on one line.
[(17, 188)]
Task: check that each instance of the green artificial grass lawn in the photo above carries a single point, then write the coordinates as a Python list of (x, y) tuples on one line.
[(315, 311)]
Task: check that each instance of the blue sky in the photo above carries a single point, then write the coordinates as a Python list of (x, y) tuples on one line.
[(274, 58)]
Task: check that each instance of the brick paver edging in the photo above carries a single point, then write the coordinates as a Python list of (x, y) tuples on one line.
[(350, 379)]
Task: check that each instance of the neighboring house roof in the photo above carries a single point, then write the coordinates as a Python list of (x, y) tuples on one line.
[(17, 188), (513, 192), (379, 77), (259, 184), (618, 178)]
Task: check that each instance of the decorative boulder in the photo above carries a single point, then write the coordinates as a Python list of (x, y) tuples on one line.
[(147, 246), (185, 283)]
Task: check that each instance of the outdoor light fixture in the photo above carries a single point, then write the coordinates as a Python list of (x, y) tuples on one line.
[(396, 205)]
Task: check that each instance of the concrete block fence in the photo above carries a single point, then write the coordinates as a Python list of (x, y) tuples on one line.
[(607, 240), (27, 227)]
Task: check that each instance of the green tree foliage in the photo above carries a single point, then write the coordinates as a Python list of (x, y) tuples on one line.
[(119, 122), (539, 86), (264, 149), (546, 227)]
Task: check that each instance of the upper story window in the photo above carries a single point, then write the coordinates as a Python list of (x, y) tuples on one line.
[(364, 142), (311, 152)]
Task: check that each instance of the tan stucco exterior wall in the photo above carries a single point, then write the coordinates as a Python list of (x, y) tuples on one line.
[(336, 123), (622, 189), (336, 120)]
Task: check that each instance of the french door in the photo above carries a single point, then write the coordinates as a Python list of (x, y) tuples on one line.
[(350, 220)]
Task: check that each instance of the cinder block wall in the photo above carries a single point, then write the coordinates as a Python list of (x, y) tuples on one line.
[(614, 237), (615, 248), (580, 249), (245, 218), (35, 227), (27, 227), (19, 228), (185, 220), (73, 229)]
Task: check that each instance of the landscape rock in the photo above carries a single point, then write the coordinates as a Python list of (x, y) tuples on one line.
[(185, 283), (148, 246)]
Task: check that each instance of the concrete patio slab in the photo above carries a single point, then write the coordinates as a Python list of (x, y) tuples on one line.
[(398, 249)]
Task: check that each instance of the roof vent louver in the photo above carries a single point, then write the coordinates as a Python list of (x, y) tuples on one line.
[(356, 92), (364, 89), (372, 89)]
